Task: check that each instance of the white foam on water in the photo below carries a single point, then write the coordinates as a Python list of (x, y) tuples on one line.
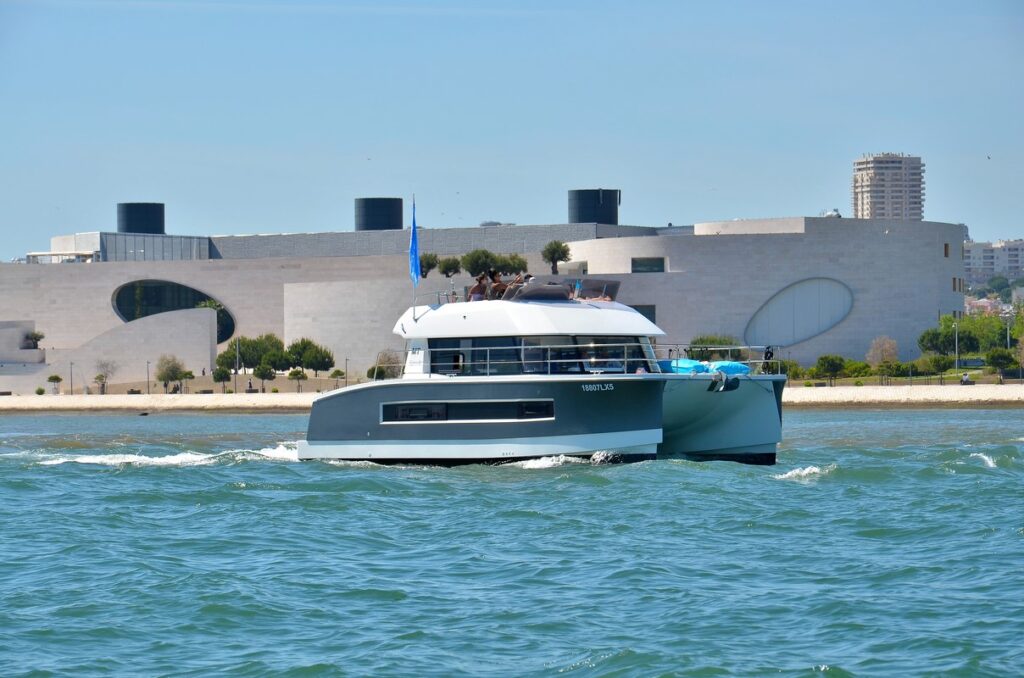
[(180, 459), (548, 462), (985, 458), (805, 473), (283, 452)]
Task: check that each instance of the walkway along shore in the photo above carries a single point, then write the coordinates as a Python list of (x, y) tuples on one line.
[(980, 395)]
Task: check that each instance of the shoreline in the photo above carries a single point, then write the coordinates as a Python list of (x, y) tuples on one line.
[(834, 397)]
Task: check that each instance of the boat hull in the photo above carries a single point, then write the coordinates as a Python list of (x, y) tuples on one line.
[(704, 420), (481, 420)]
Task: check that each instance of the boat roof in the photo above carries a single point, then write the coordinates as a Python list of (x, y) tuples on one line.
[(522, 318)]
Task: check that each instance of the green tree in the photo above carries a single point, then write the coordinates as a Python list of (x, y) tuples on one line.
[(428, 262), (830, 366), (478, 261), (515, 264), (297, 349), (264, 373), (226, 358), (999, 359), (33, 338), (55, 379), (337, 375), (791, 368), (317, 358), (279, 360), (169, 369), (221, 376), (298, 376), (450, 266), (554, 253), (940, 363)]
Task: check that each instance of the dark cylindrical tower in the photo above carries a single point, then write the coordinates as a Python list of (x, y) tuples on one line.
[(140, 217), (594, 206), (378, 214)]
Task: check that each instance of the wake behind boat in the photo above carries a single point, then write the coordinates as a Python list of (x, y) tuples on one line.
[(553, 369)]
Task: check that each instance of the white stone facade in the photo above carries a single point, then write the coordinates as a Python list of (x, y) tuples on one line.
[(715, 278)]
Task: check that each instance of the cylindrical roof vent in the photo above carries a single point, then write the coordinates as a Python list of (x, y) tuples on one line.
[(594, 206), (378, 214), (140, 217)]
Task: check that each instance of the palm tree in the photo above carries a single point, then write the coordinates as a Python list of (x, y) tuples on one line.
[(555, 252)]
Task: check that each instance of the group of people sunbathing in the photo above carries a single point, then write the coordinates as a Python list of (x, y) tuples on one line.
[(490, 286)]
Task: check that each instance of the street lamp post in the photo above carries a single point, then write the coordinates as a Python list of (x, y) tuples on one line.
[(346, 371), (71, 372), (956, 348), (236, 365), (147, 378)]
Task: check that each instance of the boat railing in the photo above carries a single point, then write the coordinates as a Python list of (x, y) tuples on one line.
[(575, 358), (760, 359)]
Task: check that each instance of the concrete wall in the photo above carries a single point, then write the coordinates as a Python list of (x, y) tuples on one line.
[(900, 279), (189, 335), (446, 241), (898, 275)]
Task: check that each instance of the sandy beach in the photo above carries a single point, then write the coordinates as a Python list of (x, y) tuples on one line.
[(980, 395)]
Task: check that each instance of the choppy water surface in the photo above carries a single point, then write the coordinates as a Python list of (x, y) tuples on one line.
[(882, 543)]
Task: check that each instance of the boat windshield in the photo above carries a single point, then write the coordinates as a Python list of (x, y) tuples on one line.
[(540, 355)]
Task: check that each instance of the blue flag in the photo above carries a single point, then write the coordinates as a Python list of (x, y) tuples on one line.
[(414, 251)]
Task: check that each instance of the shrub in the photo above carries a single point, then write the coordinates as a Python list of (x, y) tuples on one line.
[(858, 383), (791, 368), (274, 390), (40, 390), (808, 383), (856, 368), (389, 366)]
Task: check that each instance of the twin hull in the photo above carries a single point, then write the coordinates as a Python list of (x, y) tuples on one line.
[(490, 419)]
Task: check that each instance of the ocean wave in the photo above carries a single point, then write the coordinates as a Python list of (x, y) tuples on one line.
[(989, 462), (180, 459), (805, 473), (282, 452), (549, 462)]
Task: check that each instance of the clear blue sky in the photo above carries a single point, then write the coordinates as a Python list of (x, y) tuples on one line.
[(263, 116)]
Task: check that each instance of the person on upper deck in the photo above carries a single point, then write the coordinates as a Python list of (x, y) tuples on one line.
[(478, 292), (497, 286)]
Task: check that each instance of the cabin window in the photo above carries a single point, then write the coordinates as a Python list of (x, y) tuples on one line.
[(415, 412), (612, 354), (446, 356), (537, 355), (467, 410), (495, 355), (648, 265)]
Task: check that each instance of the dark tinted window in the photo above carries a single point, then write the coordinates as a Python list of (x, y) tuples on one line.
[(468, 410), (148, 297)]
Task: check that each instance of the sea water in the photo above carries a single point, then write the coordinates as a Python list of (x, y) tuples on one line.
[(883, 543)]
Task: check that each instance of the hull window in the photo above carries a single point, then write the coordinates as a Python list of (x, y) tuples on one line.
[(468, 410)]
